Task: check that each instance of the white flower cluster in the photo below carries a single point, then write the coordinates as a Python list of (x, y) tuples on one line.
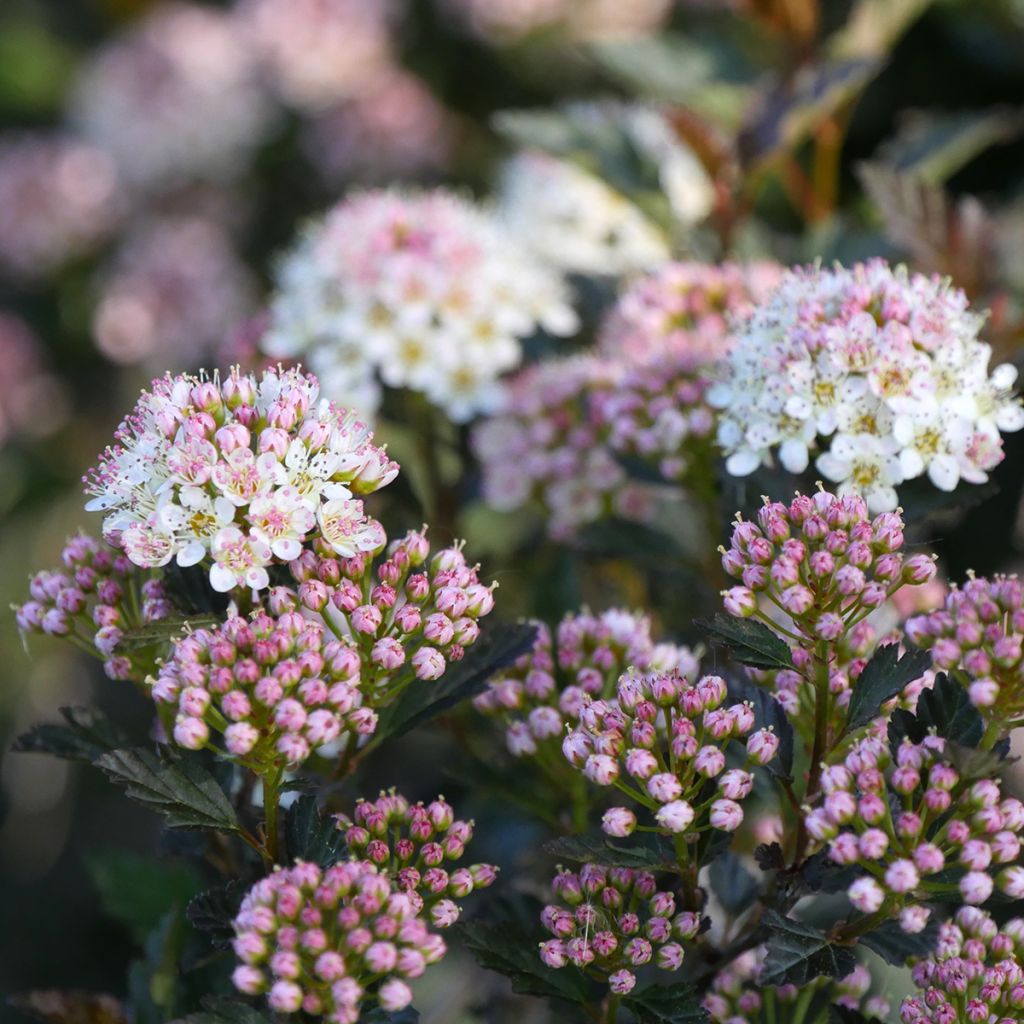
[(175, 98), (421, 291), (879, 370), (240, 472)]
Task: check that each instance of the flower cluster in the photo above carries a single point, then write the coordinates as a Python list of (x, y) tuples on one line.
[(979, 633), (57, 200), (610, 921), (96, 597), (175, 98), (241, 472), (737, 995), (408, 617), (975, 974), (573, 220), (822, 565), (885, 365), (663, 742), (423, 291), (175, 289), (906, 819), (544, 692), (413, 843), (685, 311), (329, 942), (317, 52)]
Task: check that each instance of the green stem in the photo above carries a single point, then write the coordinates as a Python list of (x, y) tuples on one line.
[(611, 1010), (821, 716), (993, 734), (271, 809)]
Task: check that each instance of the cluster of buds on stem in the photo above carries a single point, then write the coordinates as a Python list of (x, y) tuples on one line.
[(417, 845), (978, 637), (276, 687), (543, 693), (907, 819), (331, 942), (92, 601), (408, 616), (974, 976), (663, 743), (737, 995), (610, 921)]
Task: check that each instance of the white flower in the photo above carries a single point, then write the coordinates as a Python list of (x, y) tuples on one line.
[(282, 520), (345, 527), (239, 560), (866, 465)]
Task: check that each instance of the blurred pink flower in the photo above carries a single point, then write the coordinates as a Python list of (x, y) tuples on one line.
[(25, 385)]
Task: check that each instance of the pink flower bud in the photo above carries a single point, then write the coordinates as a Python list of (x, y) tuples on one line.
[(726, 815)]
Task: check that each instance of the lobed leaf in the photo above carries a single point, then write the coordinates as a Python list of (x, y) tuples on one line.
[(895, 946), (308, 835), (799, 952), (666, 1004), (87, 735), (649, 851), (946, 708), (751, 643), (214, 910), (223, 1010), (884, 676)]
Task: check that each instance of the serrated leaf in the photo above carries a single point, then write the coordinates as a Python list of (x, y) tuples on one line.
[(769, 857), (513, 953), (799, 952), (768, 714), (895, 946), (735, 887), (648, 851), (751, 643), (69, 1007), (498, 646), (884, 676), (87, 735), (183, 791), (946, 708), (309, 835), (222, 1010), (666, 1004), (137, 891), (214, 910)]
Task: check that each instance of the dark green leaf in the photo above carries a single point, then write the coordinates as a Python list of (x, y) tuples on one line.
[(499, 645), (844, 1015), (895, 946), (974, 764), (751, 643), (308, 835), (138, 892), (798, 953), (153, 979), (379, 1016), (666, 1004), (822, 874), (769, 857), (768, 714), (946, 708), (884, 676), (711, 845), (222, 1010), (648, 851), (735, 887), (183, 791), (214, 910), (513, 953), (87, 735)]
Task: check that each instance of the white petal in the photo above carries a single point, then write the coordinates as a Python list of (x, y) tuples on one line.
[(832, 467), (793, 456), (911, 463), (742, 463), (191, 554), (222, 580), (944, 472)]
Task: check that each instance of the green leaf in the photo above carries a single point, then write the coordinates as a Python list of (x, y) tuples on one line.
[(309, 835), (647, 851), (184, 791), (498, 646), (895, 946), (512, 952), (666, 1004), (153, 979), (973, 763), (946, 708), (798, 953), (379, 1016), (768, 714), (214, 912), (223, 1010), (884, 676), (87, 735), (735, 887), (874, 26), (751, 643), (139, 891)]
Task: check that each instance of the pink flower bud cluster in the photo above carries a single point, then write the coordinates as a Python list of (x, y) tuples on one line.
[(908, 819), (542, 694), (684, 311), (96, 597), (409, 615), (611, 921), (662, 741), (276, 687), (237, 473), (979, 634), (737, 994), (414, 843), (975, 975), (331, 942)]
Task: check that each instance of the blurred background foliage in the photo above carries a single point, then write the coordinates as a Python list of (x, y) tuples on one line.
[(830, 130)]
